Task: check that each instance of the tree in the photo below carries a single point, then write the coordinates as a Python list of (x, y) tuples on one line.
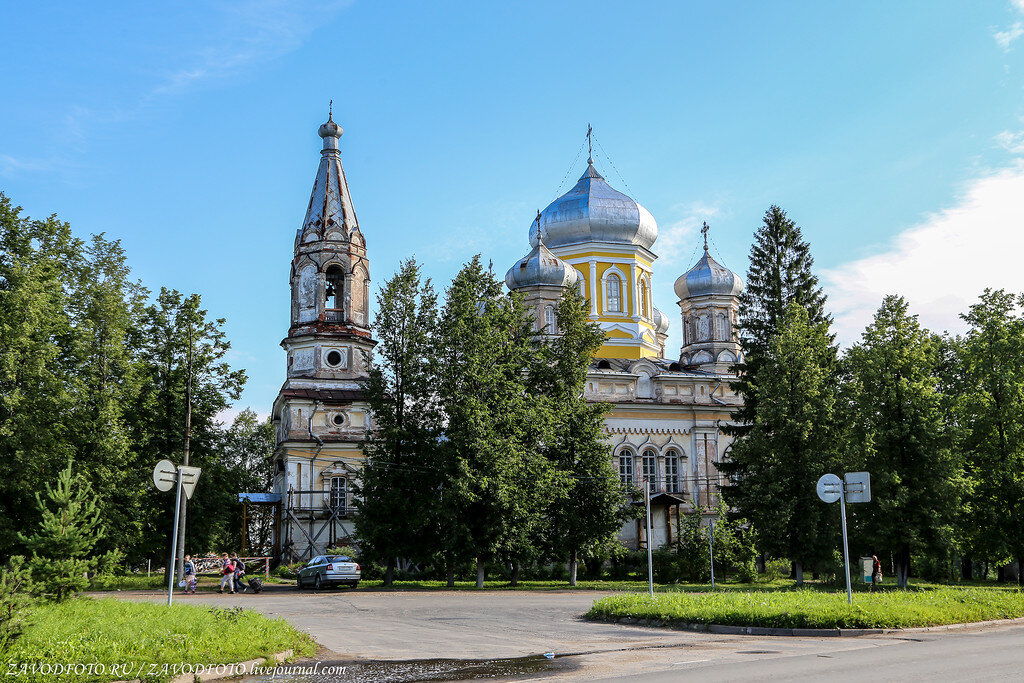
[(493, 477), (779, 274), (991, 412), (397, 491), (62, 544), (899, 431), (790, 443), (587, 503)]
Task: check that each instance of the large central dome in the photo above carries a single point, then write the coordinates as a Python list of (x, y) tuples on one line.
[(593, 211)]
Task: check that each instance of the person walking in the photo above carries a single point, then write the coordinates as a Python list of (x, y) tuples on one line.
[(190, 575), (876, 571), (240, 573), (227, 573)]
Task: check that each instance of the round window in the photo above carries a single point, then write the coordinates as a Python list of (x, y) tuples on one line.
[(338, 419), (334, 358)]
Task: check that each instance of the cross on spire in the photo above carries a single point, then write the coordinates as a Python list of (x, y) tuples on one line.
[(704, 231), (590, 144), (330, 110), (540, 233)]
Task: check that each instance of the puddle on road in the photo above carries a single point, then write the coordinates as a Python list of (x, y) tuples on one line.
[(409, 671)]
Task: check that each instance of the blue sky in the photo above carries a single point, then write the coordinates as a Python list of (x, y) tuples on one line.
[(891, 132)]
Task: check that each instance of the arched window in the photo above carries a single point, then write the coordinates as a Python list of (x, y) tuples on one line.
[(335, 287), (643, 299), (613, 293), (626, 466), (550, 324), (672, 471), (650, 469)]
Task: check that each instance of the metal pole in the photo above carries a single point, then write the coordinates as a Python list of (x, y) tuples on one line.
[(174, 541), (711, 549), (846, 551), (650, 559)]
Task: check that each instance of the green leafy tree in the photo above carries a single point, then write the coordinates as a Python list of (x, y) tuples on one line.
[(397, 490), (790, 444), (587, 504), (491, 497), (991, 413), (63, 542), (899, 430)]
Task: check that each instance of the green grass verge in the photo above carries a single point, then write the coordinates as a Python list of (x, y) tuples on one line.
[(808, 608), (141, 638)]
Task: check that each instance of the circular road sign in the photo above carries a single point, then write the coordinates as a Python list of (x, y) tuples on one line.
[(830, 488), (164, 475)]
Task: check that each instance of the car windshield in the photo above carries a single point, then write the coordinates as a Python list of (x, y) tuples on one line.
[(339, 558)]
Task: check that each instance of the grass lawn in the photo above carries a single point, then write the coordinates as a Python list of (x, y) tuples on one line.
[(136, 636), (810, 608)]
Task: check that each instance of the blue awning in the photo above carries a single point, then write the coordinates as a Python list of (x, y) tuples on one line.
[(259, 497)]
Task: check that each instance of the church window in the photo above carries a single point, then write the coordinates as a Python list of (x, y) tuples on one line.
[(338, 419), (643, 299), (339, 492), (626, 467), (721, 327), (335, 288), (672, 471), (613, 289), (650, 469), (550, 324), (334, 358)]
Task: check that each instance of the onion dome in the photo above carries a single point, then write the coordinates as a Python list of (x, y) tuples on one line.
[(330, 204), (708, 277), (660, 322), (593, 211), (541, 267)]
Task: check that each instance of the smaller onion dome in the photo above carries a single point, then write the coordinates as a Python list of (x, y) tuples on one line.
[(541, 267), (660, 322), (330, 129), (708, 277)]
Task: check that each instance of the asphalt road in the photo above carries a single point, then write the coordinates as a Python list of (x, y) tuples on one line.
[(376, 625)]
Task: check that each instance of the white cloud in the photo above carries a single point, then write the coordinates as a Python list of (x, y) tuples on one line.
[(941, 265), (1018, 5), (1005, 38), (678, 240), (1012, 142)]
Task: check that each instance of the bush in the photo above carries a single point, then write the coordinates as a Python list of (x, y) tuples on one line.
[(289, 571), (108, 570), (777, 569), (16, 600)]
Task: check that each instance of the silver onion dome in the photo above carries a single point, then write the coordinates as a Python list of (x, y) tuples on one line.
[(592, 211), (541, 267), (708, 277), (660, 322)]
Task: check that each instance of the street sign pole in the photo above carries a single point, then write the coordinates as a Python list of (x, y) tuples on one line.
[(174, 542), (650, 558), (846, 549), (711, 550)]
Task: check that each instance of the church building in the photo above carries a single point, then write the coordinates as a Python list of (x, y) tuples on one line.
[(664, 427)]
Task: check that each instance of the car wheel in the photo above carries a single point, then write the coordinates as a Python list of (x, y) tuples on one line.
[(298, 582), (355, 584), (317, 582)]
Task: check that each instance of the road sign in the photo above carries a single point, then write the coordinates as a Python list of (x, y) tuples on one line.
[(830, 488), (164, 475), (858, 487), (189, 477)]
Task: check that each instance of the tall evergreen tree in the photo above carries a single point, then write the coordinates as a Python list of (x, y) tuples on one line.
[(587, 504), (991, 412), (779, 274), (899, 430), (790, 443), (397, 491)]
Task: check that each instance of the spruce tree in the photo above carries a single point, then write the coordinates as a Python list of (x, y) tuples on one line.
[(779, 274), (62, 544), (789, 444), (397, 487), (898, 427)]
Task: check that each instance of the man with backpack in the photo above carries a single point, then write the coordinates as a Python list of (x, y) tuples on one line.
[(227, 573), (254, 584)]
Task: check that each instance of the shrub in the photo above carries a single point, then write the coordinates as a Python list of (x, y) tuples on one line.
[(777, 569)]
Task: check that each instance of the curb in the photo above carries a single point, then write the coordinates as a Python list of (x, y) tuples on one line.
[(803, 632), (227, 670)]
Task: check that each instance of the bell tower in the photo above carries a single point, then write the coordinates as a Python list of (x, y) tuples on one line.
[(320, 415)]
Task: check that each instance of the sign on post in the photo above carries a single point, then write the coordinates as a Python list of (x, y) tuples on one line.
[(854, 488), (189, 477), (165, 476)]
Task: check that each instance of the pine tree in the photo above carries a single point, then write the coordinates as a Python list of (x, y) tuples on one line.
[(397, 488), (587, 503), (898, 426), (790, 443), (62, 544), (779, 274)]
